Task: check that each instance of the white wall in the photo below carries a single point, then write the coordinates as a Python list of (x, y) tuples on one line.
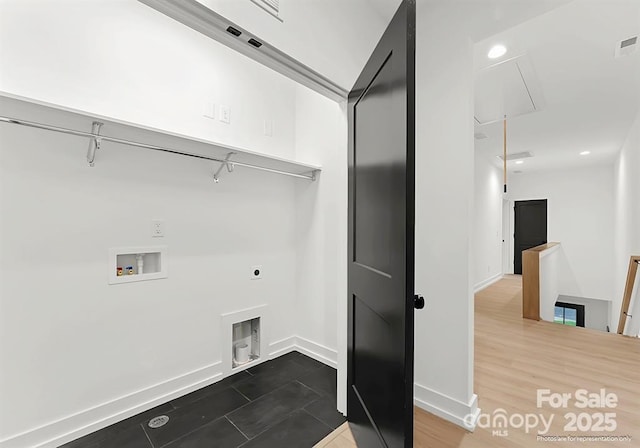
[(549, 281), (444, 218), (627, 222), (596, 312), (69, 341), (122, 59), (580, 216), (632, 326), (487, 222), (444, 191), (321, 219), (75, 351)]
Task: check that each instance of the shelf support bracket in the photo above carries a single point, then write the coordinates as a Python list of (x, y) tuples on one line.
[(227, 163), (94, 143)]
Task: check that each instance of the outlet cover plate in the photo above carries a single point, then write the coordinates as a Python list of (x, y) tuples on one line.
[(157, 228), (225, 114)]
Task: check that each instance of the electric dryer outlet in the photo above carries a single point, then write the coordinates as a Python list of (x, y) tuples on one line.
[(256, 272)]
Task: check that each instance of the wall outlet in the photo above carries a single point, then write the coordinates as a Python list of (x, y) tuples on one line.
[(157, 228), (225, 114), (256, 272)]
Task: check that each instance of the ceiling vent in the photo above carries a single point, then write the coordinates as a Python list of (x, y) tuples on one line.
[(271, 6), (234, 31), (517, 155), (480, 136), (627, 47)]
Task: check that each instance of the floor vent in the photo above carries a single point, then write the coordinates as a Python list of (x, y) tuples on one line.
[(157, 422)]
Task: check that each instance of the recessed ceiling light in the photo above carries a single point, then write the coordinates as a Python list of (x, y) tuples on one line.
[(497, 51), (585, 153), (519, 162)]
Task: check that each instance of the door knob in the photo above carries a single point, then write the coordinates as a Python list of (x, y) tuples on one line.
[(418, 302)]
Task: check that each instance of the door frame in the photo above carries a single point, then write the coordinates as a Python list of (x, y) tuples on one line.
[(507, 237), (513, 226)]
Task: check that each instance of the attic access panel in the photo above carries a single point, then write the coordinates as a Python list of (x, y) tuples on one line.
[(509, 88)]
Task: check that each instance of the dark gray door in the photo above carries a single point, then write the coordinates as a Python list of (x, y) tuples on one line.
[(381, 240), (530, 224)]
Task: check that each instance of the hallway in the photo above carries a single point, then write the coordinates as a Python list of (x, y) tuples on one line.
[(515, 357)]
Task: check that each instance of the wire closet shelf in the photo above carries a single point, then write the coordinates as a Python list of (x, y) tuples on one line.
[(227, 161)]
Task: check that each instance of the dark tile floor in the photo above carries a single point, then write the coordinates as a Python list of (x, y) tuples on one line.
[(286, 402)]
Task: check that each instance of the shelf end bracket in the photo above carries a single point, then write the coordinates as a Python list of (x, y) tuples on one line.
[(226, 163), (94, 144)]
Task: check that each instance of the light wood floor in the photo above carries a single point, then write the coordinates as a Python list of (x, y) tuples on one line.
[(514, 357)]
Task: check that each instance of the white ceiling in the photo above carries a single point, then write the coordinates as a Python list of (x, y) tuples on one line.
[(509, 88), (590, 97)]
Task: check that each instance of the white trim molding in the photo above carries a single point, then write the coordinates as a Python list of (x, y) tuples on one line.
[(487, 282), (320, 353), (282, 347), (85, 422), (455, 411)]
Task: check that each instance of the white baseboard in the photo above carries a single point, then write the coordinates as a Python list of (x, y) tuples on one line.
[(85, 422), (450, 409), (487, 282), (318, 352), (282, 347)]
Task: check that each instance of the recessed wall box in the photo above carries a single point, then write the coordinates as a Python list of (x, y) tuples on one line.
[(140, 263)]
